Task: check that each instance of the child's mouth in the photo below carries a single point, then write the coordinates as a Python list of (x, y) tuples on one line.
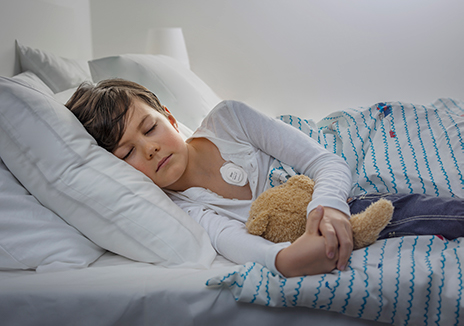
[(163, 162)]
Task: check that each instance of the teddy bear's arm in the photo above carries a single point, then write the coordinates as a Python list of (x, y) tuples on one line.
[(258, 224)]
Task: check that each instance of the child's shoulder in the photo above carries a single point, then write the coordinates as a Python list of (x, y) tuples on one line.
[(226, 115), (229, 108)]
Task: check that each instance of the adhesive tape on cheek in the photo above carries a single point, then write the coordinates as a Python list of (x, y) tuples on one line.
[(233, 174)]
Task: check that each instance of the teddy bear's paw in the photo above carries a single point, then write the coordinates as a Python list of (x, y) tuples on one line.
[(367, 225), (257, 225)]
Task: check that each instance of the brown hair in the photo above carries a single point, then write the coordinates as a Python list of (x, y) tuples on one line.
[(102, 108)]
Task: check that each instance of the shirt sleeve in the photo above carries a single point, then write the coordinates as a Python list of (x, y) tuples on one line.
[(231, 239), (289, 145)]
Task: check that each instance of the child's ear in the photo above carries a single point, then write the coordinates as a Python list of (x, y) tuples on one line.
[(171, 119)]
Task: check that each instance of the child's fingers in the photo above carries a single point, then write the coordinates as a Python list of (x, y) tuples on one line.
[(331, 239), (314, 219), (346, 247)]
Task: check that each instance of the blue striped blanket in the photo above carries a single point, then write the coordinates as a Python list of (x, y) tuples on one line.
[(390, 147)]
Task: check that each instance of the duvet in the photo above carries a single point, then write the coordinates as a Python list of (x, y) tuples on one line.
[(390, 147)]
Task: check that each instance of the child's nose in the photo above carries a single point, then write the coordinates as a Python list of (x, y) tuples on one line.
[(151, 149)]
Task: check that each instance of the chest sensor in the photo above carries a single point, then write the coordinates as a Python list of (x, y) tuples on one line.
[(233, 174)]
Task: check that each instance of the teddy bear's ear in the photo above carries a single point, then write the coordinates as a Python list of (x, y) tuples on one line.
[(302, 181), (257, 225)]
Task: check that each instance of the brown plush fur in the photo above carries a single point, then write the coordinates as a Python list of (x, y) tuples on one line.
[(279, 214)]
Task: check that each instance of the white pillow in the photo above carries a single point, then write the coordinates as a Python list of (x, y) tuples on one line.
[(187, 97), (57, 72), (48, 150), (33, 237), (32, 80), (65, 95)]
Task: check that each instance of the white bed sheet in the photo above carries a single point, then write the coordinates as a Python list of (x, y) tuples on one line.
[(118, 291)]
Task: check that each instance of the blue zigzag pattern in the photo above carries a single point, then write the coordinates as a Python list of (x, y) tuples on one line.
[(400, 152), (334, 141), (297, 294), (366, 282), (374, 158), (258, 286), (424, 152), (413, 152), (458, 131), (318, 291), (380, 266), (353, 146), (271, 174), (458, 301), (268, 301), (283, 281), (337, 283), (235, 283), (455, 104), (448, 143), (350, 287), (387, 157), (430, 274), (339, 134), (398, 273), (413, 275), (442, 284), (437, 154)]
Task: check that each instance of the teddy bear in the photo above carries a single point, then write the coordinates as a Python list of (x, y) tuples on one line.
[(279, 214)]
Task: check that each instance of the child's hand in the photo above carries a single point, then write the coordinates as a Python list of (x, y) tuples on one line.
[(336, 229), (307, 255)]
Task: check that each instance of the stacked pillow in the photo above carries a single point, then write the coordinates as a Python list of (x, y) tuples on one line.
[(33, 237), (55, 172), (186, 96), (58, 73)]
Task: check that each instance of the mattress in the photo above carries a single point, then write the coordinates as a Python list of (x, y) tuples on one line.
[(117, 291)]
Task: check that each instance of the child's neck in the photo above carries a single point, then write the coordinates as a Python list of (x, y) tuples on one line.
[(205, 160)]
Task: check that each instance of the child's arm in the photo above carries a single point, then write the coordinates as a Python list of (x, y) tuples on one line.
[(307, 255), (291, 146), (231, 239)]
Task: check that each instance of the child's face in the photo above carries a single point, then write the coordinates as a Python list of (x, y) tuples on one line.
[(152, 144)]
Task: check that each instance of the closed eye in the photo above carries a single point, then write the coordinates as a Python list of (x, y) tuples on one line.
[(151, 129), (128, 154)]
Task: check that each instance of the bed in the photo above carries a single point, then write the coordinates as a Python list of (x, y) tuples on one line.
[(87, 240)]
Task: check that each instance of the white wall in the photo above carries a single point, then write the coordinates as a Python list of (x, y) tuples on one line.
[(61, 27), (82, 36), (303, 57)]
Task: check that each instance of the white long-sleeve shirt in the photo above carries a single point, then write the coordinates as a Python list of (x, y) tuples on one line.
[(253, 141)]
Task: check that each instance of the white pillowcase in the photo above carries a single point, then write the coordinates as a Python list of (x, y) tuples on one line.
[(187, 97), (65, 95), (117, 207), (32, 80), (57, 72), (33, 237)]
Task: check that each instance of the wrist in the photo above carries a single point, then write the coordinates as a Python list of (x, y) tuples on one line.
[(271, 257), (282, 263), (335, 211), (330, 203)]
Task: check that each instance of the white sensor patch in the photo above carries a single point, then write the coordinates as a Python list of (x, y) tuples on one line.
[(233, 174)]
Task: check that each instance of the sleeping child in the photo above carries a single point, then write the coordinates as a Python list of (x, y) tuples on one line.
[(216, 174)]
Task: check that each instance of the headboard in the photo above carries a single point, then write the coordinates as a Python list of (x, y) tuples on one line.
[(45, 25)]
